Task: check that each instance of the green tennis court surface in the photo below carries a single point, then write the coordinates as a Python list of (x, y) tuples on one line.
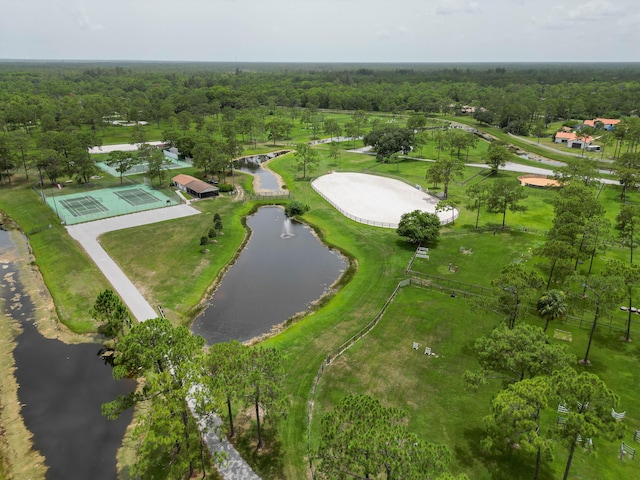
[(104, 203), (137, 196), (83, 206)]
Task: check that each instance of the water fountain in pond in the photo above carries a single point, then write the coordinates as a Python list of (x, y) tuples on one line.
[(286, 228)]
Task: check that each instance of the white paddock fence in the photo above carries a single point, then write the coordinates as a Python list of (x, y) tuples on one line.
[(366, 221)]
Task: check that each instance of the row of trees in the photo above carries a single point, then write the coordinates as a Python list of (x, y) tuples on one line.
[(182, 388), (89, 95), (536, 379)]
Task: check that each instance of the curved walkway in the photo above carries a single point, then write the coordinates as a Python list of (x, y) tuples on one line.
[(235, 468)]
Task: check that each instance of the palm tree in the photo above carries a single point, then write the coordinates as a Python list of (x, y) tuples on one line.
[(551, 306)]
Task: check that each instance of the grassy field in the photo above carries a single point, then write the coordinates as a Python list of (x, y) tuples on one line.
[(441, 409), (166, 261)]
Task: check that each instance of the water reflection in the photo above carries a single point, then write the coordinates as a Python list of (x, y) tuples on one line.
[(61, 390), (281, 271)]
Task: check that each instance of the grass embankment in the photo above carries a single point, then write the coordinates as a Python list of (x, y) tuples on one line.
[(173, 270), (71, 277)]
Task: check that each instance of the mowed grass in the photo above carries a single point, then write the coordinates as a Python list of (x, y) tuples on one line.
[(173, 271), (73, 279), (381, 257), (442, 410)]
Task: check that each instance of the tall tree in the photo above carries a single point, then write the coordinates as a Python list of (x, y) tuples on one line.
[(227, 364), (602, 292), (503, 195), (497, 156), (361, 438), (589, 402), (626, 220), (264, 378), (515, 419), (630, 274), (122, 162), (332, 128), (334, 152), (512, 355), (389, 140), (6, 156), (278, 129), (307, 158), (514, 289), (154, 158), (445, 170), (170, 360), (109, 309), (628, 169), (477, 196), (584, 170)]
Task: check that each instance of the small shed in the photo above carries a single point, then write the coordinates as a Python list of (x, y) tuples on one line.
[(193, 186)]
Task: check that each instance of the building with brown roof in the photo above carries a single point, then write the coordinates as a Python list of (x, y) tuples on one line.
[(195, 187)]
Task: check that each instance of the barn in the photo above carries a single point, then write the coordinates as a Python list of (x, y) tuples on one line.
[(195, 187)]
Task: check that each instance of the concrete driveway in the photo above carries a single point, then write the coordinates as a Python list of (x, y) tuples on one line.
[(87, 235)]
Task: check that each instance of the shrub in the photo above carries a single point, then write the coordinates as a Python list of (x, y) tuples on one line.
[(295, 208)]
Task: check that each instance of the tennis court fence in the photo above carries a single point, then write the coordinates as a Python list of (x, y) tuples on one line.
[(85, 205)]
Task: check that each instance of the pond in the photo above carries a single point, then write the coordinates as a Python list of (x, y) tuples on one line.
[(253, 166), (61, 390), (283, 269)]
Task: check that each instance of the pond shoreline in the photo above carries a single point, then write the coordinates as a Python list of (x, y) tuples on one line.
[(20, 458)]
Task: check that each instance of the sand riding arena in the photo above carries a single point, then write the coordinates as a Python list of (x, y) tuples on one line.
[(537, 181), (376, 200)]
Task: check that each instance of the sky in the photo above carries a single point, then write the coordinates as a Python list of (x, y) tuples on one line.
[(387, 31)]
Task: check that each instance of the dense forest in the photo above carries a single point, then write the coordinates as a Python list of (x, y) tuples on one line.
[(74, 94), (52, 112)]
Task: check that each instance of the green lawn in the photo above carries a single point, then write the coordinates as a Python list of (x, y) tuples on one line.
[(167, 262), (441, 409)]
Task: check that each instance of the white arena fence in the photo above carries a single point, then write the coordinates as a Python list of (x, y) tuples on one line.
[(367, 221)]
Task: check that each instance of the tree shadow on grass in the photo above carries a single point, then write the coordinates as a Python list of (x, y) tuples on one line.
[(267, 462), (510, 465)]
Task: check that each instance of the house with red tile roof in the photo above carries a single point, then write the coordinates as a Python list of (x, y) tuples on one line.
[(572, 140), (607, 123)]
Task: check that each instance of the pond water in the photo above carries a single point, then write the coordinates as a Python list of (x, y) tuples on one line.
[(253, 166), (281, 271), (61, 390)]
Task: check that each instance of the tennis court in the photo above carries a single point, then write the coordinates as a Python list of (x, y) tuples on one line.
[(81, 206), (137, 196), (104, 203), (171, 162)]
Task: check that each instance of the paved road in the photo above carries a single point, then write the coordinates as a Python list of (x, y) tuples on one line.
[(87, 235), (235, 468), (516, 167)]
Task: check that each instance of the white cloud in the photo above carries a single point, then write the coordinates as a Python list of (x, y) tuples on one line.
[(451, 7), (593, 13), (396, 33), (84, 21)]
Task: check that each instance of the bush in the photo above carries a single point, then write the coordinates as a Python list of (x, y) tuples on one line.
[(225, 187), (295, 208)]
